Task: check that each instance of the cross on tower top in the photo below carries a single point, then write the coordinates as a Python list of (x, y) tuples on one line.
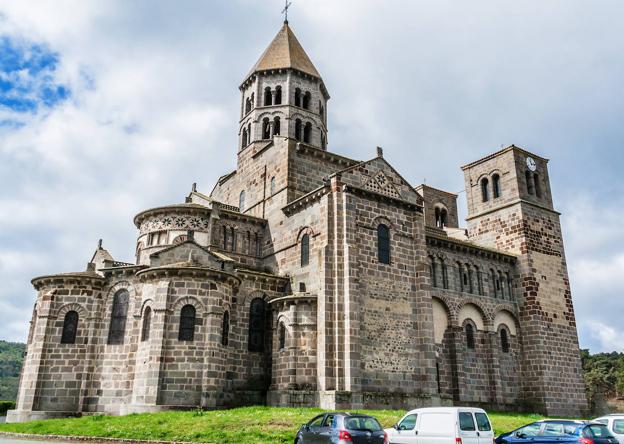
[(285, 10)]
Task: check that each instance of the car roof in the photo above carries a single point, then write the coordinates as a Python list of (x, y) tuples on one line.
[(562, 421), (446, 409), (350, 414)]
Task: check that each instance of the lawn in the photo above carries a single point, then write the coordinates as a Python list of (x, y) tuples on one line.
[(247, 425)]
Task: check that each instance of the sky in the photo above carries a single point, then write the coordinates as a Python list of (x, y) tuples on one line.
[(111, 107)]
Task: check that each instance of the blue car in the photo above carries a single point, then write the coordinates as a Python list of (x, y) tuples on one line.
[(562, 431)]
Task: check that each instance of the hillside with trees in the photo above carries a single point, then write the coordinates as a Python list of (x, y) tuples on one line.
[(604, 378), (11, 358)]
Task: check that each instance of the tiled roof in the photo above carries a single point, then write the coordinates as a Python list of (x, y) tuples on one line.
[(285, 51)]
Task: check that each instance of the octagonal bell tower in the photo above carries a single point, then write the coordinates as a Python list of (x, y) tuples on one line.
[(283, 95)]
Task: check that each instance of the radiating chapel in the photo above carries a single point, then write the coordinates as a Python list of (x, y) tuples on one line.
[(307, 278)]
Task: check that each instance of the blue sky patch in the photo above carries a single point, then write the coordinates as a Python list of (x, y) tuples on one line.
[(27, 76)]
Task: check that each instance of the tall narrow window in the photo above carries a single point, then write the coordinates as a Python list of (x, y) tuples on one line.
[(297, 97), (248, 243), (305, 250), (276, 126), (445, 282), (278, 95), (460, 273), (257, 244), (485, 189), (147, 320), (432, 269), (257, 323), (225, 329), (493, 282), (244, 143), (383, 244), (241, 201), (253, 101), (272, 188), (470, 338), (117, 329), (529, 182), (298, 129), (268, 97), (470, 283), (225, 238), (437, 218), (501, 285), (509, 286), (479, 281), (307, 132), (321, 111), (234, 240), (496, 185), (249, 138), (70, 327), (504, 340), (282, 336), (323, 140), (187, 323), (538, 186), (266, 128), (247, 105), (306, 100), (443, 215)]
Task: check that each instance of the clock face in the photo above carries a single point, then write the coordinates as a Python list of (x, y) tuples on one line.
[(531, 163)]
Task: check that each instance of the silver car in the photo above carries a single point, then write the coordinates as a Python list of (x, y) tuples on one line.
[(615, 424)]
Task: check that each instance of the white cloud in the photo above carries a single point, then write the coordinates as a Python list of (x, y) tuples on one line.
[(154, 107)]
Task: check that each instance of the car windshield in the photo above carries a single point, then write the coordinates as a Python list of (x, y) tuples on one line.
[(362, 423)]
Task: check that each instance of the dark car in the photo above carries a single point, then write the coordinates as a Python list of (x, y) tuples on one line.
[(559, 431), (341, 428)]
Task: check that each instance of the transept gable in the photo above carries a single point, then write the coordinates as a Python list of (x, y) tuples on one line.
[(378, 176)]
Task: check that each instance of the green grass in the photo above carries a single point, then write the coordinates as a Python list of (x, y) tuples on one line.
[(247, 425)]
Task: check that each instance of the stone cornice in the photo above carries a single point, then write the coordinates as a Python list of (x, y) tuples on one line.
[(304, 148), (294, 299), (512, 203), (169, 209), (468, 247), (305, 200), (260, 276), (67, 278), (193, 271)]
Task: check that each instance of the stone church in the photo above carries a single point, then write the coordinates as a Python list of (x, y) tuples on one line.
[(307, 278)]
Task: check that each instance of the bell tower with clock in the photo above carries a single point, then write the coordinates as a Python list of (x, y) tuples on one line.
[(510, 208)]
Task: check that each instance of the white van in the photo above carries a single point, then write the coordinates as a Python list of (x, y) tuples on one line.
[(443, 425), (615, 424)]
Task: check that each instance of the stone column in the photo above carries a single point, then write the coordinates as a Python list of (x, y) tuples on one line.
[(496, 391)]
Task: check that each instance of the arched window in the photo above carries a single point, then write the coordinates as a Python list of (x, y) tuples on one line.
[(307, 132), (70, 327), (266, 128), (117, 329), (244, 144), (297, 97), (268, 97), (538, 186), (187, 323), (496, 185), (272, 188), (253, 101), (432, 269), (460, 272), (306, 100), (485, 189), (241, 201), (383, 244), (501, 285), (276, 126), (470, 338), (529, 182), (504, 340), (440, 217), (234, 240), (257, 323), (278, 95), (445, 283), (249, 138), (298, 129), (305, 250), (321, 111), (282, 336), (494, 281), (225, 329), (147, 320), (247, 105)]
